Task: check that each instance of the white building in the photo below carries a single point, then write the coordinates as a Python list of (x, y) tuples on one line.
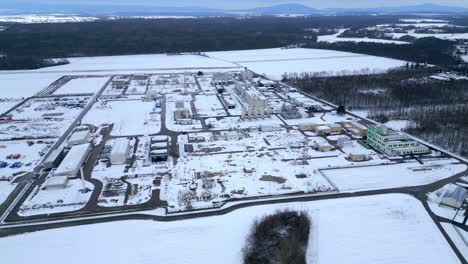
[(265, 128), (120, 151), (79, 137), (73, 161), (56, 183), (256, 103)]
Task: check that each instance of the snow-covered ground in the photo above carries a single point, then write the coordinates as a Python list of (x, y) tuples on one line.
[(275, 62), (32, 19), (8, 104), (334, 38), (392, 176), (82, 85), (447, 36), (140, 63), (130, 117), (399, 124), (375, 229), (18, 85), (459, 238), (56, 201)]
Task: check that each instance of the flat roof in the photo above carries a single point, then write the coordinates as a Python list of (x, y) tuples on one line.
[(73, 159), (120, 146), (56, 180), (79, 135)]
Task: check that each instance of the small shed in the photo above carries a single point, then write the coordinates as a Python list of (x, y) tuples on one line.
[(357, 157)]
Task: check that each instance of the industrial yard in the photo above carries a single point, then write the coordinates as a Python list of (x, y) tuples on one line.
[(199, 140), (186, 142)]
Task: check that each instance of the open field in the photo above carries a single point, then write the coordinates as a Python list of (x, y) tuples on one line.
[(384, 229)]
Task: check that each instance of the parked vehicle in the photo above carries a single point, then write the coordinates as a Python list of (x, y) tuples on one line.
[(3, 164), (17, 164)]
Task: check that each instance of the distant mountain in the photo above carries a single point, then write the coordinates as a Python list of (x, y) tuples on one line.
[(423, 8), (283, 9), (108, 9)]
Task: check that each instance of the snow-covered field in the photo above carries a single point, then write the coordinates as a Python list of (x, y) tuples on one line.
[(334, 38), (275, 62), (130, 117), (82, 85), (140, 63), (392, 176), (447, 36), (7, 105), (32, 19), (376, 229), (459, 238), (18, 85)]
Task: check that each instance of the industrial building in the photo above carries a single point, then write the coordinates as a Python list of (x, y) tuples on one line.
[(322, 145), (453, 196), (257, 103), (73, 161), (355, 128), (78, 137), (56, 183), (54, 159), (183, 117), (357, 157), (221, 78), (159, 148), (392, 142), (120, 151)]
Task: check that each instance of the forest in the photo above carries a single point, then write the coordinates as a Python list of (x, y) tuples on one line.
[(25, 46), (437, 109)]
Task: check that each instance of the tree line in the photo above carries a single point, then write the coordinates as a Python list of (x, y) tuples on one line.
[(437, 109)]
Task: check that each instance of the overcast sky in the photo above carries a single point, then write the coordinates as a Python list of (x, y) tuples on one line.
[(247, 3)]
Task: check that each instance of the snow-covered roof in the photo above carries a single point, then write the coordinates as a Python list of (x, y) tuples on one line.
[(79, 136), (455, 192), (73, 159), (120, 146), (159, 138), (56, 180)]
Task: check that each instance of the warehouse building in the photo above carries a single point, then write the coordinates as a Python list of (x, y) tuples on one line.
[(54, 159), (355, 128), (73, 161), (120, 151), (393, 143), (78, 137), (322, 145), (453, 196)]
